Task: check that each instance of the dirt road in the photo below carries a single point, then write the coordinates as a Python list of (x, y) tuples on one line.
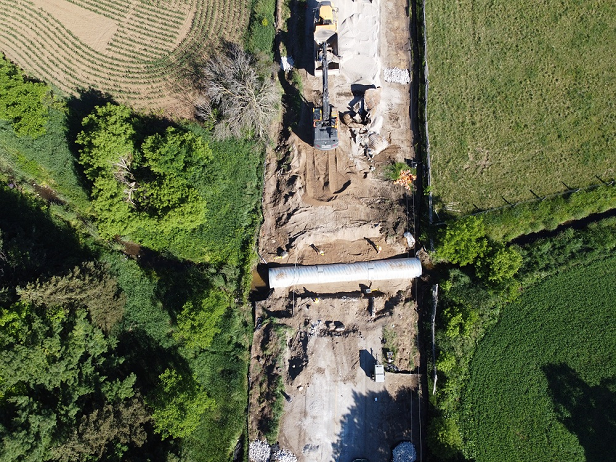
[(337, 207)]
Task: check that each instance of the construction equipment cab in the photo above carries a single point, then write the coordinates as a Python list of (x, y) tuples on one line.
[(325, 18), (326, 32)]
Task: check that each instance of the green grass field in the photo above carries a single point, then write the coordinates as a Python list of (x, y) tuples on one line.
[(522, 97), (542, 382)]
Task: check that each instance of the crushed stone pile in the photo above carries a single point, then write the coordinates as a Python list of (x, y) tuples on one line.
[(259, 451), (405, 452), (396, 75), (284, 456)]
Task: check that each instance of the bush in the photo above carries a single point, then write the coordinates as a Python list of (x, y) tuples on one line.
[(23, 102), (261, 31), (463, 241)]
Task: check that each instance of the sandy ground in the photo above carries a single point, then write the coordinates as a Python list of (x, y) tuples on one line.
[(339, 202), (334, 410), (93, 29)]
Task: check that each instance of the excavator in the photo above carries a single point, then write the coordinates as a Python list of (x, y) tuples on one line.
[(325, 118)]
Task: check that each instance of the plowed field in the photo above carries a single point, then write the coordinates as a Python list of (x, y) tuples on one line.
[(134, 50)]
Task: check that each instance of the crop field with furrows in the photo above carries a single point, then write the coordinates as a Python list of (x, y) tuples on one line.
[(542, 383), (521, 99), (133, 50)]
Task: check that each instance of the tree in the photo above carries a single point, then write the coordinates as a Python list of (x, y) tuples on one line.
[(175, 161), (500, 265), (179, 405), (108, 153), (463, 241), (106, 431), (53, 364), (152, 194), (107, 140), (246, 101), (23, 102), (88, 285)]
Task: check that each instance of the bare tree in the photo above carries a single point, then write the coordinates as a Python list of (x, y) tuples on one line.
[(123, 174), (234, 90)]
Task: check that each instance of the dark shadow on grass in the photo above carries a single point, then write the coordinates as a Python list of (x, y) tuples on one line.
[(585, 410), (375, 424), (34, 245), (180, 282), (294, 104), (147, 358)]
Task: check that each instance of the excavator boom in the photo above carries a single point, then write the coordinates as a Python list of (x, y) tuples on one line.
[(325, 118)]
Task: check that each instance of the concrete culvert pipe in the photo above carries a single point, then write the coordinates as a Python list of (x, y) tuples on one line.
[(382, 270)]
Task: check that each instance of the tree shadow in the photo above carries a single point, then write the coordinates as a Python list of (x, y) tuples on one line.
[(180, 282), (375, 424), (585, 410), (295, 105), (32, 243), (147, 358)]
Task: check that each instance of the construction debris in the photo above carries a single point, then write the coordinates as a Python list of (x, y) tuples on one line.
[(410, 240), (259, 451), (286, 63), (396, 75), (406, 179), (405, 452), (284, 456)]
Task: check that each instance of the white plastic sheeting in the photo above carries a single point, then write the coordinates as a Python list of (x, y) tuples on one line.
[(381, 270)]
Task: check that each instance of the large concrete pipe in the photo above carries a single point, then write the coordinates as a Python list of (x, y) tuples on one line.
[(400, 268)]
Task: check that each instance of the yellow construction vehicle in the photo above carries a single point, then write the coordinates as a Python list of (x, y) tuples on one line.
[(326, 32)]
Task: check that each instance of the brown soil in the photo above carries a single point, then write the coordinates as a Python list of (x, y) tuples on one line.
[(94, 29)]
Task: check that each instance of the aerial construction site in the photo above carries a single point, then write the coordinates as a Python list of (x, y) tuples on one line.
[(335, 366)]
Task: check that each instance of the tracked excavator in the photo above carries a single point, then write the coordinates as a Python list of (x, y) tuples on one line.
[(325, 118)]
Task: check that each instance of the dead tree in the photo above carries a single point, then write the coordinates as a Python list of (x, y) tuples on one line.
[(245, 101), (124, 175)]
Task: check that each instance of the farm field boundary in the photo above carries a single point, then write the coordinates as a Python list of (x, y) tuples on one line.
[(547, 213)]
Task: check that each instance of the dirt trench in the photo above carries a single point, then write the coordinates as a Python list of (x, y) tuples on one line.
[(338, 207)]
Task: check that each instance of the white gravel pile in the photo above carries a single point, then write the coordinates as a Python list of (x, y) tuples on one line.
[(405, 452), (284, 456), (358, 41), (259, 451), (396, 75)]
